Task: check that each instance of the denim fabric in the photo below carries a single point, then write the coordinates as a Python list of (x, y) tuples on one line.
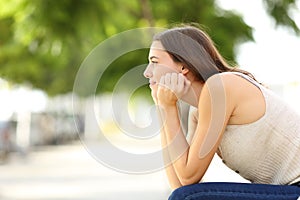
[(235, 191), (297, 184)]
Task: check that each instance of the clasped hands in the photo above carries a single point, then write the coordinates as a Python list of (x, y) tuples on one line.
[(171, 87)]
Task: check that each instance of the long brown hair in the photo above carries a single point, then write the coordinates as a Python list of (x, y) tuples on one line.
[(192, 47)]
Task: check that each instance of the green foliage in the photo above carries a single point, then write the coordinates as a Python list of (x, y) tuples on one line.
[(226, 28), (281, 11), (43, 42)]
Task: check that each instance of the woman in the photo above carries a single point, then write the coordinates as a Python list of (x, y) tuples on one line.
[(251, 129)]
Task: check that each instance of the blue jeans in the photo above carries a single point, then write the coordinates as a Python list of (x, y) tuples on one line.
[(235, 191)]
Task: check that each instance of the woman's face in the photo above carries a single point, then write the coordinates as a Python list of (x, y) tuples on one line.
[(160, 63)]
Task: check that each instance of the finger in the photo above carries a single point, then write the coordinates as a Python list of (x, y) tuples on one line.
[(180, 81), (162, 80), (174, 79), (168, 79), (187, 84)]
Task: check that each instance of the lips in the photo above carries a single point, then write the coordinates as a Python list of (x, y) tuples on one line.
[(151, 83)]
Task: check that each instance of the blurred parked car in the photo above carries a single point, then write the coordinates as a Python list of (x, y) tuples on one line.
[(54, 128)]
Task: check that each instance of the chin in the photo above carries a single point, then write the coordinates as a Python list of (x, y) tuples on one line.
[(153, 93)]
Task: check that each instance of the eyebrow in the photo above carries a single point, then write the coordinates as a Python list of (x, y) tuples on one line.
[(153, 57)]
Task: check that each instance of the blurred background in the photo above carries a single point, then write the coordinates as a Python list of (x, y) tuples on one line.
[(44, 42)]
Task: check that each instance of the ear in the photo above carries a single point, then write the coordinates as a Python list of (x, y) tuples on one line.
[(184, 70)]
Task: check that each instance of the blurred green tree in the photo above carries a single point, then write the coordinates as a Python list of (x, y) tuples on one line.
[(43, 42), (282, 12)]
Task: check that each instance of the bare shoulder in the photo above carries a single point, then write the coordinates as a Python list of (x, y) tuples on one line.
[(231, 88), (228, 79), (224, 87), (241, 96), (232, 83), (229, 82)]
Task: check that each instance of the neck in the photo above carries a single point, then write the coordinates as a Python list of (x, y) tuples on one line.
[(193, 94)]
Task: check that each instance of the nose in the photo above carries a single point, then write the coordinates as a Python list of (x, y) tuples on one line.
[(148, 71)]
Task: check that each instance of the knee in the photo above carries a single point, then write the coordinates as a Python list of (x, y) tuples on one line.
[(188, 191), (176, 194), (181, 193)]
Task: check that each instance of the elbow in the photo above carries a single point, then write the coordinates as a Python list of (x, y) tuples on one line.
[(189, 180), (190, 175), (175, 186)]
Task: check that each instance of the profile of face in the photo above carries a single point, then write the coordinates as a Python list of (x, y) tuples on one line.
[(160, 63)]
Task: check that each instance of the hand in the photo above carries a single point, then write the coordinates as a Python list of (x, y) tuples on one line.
[(172, 86)]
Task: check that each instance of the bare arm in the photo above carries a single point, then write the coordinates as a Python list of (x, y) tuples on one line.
[(170, 172), (192, 124), (191, 162), (169, 169)]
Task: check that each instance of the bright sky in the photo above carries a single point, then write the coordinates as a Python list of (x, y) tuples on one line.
[(274, 56)]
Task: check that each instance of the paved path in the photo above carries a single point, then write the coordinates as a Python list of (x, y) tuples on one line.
[(70, 173)]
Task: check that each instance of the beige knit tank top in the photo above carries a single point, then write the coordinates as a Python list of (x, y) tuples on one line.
[(267, 150)]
